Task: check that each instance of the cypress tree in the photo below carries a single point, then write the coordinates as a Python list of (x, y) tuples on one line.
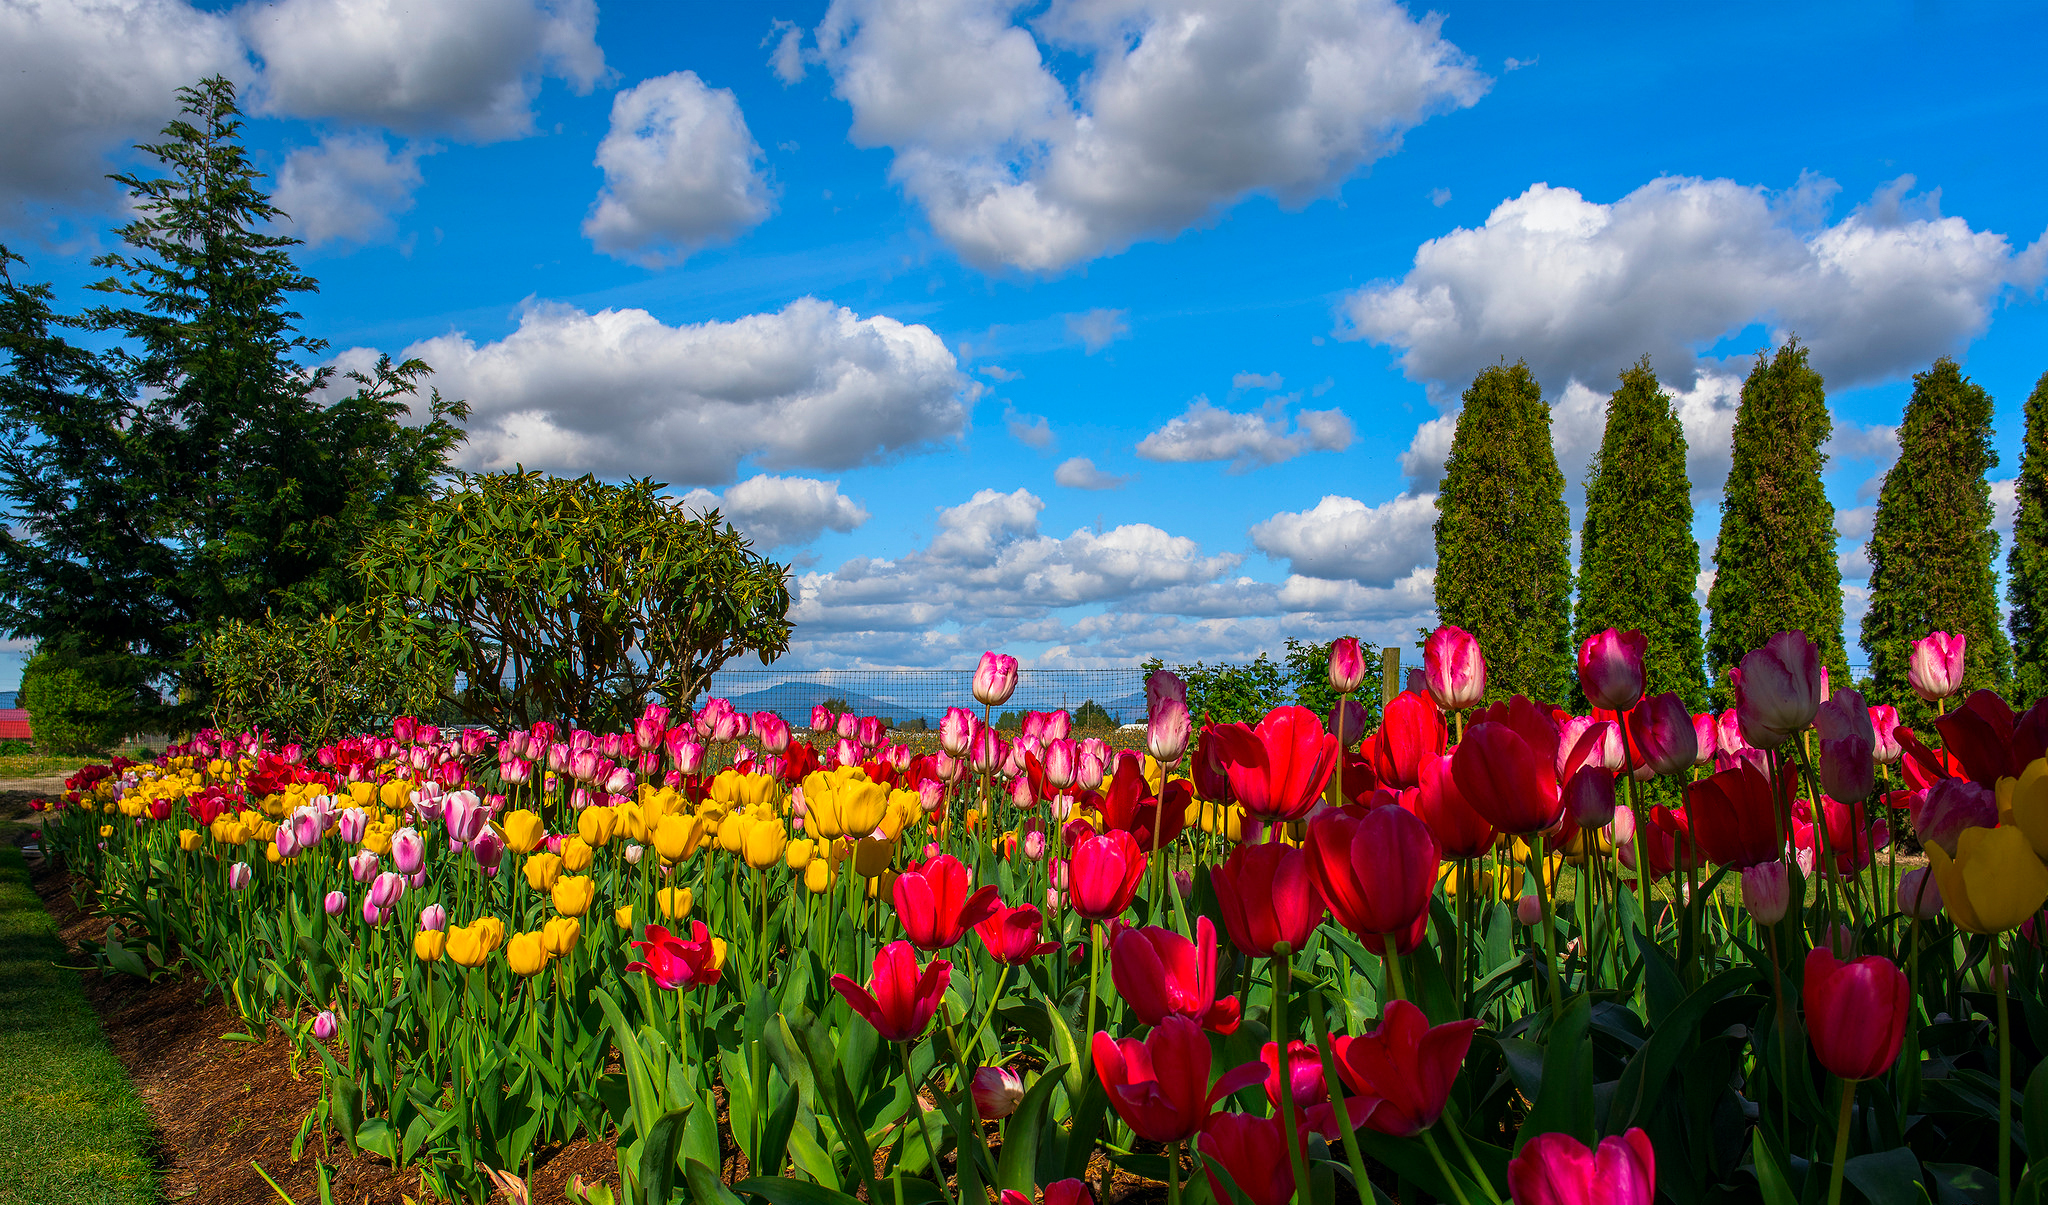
[(1503, 537), (2026, 569), (1932, 547), (1638, 561), (1774, 564)]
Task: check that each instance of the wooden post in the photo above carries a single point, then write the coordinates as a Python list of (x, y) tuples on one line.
[(1390, 675)]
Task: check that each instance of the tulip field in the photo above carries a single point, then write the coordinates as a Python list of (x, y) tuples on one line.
[(1490, 951)]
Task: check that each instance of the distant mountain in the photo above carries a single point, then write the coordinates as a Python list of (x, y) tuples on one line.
[(793, 702)]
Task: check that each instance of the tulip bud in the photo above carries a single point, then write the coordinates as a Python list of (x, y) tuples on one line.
[(1529, 910), (1347, 665), (1884, 727), (351, 824), (387, 889), (633, 853), (488, 849), (1919, 894), (1766, 892), (1935, 670), (995, 679), (239, 875), (1453, 668), (286, 841), (336, 903), (1706, 737), (1166, 733), (997, 1092), (408, 850), (1777, 689), (324, 1026), (1611, 668), (1021, 793), (372, 914), (1088, 771), (1589, 797), (930, 794)]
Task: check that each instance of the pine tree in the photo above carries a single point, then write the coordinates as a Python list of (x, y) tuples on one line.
[(1638, 561), (1774, 564), (1932, 547), (2026, 568), (1503, 535)]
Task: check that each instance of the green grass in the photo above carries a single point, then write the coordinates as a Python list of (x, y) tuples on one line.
[(71, 1127), (37, 765)]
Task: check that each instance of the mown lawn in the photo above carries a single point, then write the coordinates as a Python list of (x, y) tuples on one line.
[(71, 1127)]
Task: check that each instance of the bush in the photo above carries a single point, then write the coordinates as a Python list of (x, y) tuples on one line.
[(311, 680), (84, 703)]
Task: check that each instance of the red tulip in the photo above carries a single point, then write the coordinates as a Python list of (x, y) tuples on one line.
[(1068, 1192), (1506, 781), (1454, 668), (1404, 1069), (1736, 817), (1855, 1013), (1011, 934), (1209, 767), (1460, 831), (1376, 872), (1161, 974), (1347, 665), (933, 903), (1589, 798), (1267, 897), (1662, 734), (1309, 1088), (1253, 1150), (1935, 670), (1611, 668), (1160, 1086), (1853, 841), (1777, 689), (899, 1000), (997, 1092), (1410, 732), (1989, 742), (1105, 871), (673, 963), (1278, 770), (1557, 1169), (1129, 804)]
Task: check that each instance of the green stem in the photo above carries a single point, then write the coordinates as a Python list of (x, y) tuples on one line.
[(1173, 1173), (1392, 962), (1998, 976), (1429, 1140), (1320, 1026), (1841, 1143), (1283, 979), (1549, 930)]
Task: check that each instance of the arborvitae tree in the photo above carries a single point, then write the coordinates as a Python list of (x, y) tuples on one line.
[(1503, 537), (1774, 565), (1638, 562), (1932, 547), (2026, 569)]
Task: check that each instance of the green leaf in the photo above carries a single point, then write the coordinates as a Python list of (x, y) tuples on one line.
[(1564, 1103), (1770, 1177), (793, 1192), (1016, 1169), (1887, 1177), (659, 1150)]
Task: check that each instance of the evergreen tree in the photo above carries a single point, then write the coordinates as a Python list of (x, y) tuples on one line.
[(1774, 564), (1503, 535), (1932, 547), (1638, 561), (196, 473), (2026, 569)]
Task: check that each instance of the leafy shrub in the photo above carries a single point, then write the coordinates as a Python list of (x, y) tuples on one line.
[(312, 680), (84, 703)]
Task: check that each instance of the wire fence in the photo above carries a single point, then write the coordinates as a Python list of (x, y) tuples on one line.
[(914, 698)]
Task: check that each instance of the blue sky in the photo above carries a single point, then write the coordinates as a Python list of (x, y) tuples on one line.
[(1097, 328)]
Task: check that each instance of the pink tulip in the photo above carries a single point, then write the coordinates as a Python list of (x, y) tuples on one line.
[(1766, 892), (433, 917), (997, 1092), (1558, 1169), (1706, 733), (773, 732), (1941, 812), (335, 903), (387, 890), (324, 1025), (1454, 668), (956, 731), (1665, 734), (1347, 665), (1777, 689), (995, 679), (1061, 756), (987, 750), (488, 849), (1058, 725), (408, 850), (1166, 735), (286, 840), (1589, 797), (239, 875), (1163, 684), (1884, 726), (362, 866), (1611, 668), (1936, 668)]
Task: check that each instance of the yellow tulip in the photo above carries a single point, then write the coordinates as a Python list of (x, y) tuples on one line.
[(377, 839), (188, 839), (871, 856), (528, 954), (665, 802), (1994, 882), (395, 794), (799, 853), (623, 916), (595, 826), (677, 837), (523, 831), (468, 945), (2024, 801), (573, 894), (675, 902), (843, 803), (632, 822), (235, 833), (429, 944), (542, 870), (576, 854), (765, 842), (271, 855), (882, 885), (362, 794), (106, 830), (561, 934), (818, 875), (493, 931), (732, 832)]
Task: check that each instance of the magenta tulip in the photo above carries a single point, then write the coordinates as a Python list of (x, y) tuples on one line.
[(1664, 734), (336, 903), (1376, 872), (1855, 1013), (1454, 668), (1347, 665), (1268, 897), (408, 850), (997, 1092), (1161, 974), (1848, 770), (995, 679), (1611, 668), (1777, 689), (899, 999), (1558, 1169), (1167, 731), (1106, 871), (1935, 670)]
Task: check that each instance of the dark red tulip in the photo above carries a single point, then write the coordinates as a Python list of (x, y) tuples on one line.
[(1068, 1192), (899, 1000), (1855, 1013), (1278, 770), (1129, 804), (1012, 935), (1662, 735), (1410, 731), (1989, 741), (1376, 872), (1505, 780), (933, 902), (1460, 831), (1355, 774), (1309, 1089), (1161, 974), (1253, 1150), (1104, 874), (1404, 1069), (1160, 1086), (1611, 668), (1208, 767), (1557, 1169), (1853, 840), (1737, 818), (1267, 896)]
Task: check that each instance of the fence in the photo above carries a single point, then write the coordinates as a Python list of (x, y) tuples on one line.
[(910, 697)]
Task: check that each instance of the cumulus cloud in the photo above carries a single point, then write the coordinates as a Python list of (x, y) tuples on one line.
[(680, 172), (1255, 380), (1343, 539), (1031, 430), (469, 68), (776, 512), (1580, 288), (86, 81), (1097, 329), (1080, 473), (348, 188), (620, 392), (1184, 108), (787, 59), (1206, 432)]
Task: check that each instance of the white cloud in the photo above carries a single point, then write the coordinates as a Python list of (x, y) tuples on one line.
[(1253, 380), (1580, 289), (619, 392), (787, 59), (2005, 506), (1184, 108), (470, 68), (1097, 329), (349, 188), (996, 372), (1206, 432), (1343, 539), (777, 512), (1080, 473), (1031, 430), (1855, 522), (86, 81), (1439, 197), (680, 172)]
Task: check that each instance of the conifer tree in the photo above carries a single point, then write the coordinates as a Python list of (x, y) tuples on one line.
[(2026, 569), (1638, 561), (1503, 537), (1932, 547), (1774, 564)]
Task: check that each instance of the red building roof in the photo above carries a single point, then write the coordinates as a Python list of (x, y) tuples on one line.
[(14, 725)]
